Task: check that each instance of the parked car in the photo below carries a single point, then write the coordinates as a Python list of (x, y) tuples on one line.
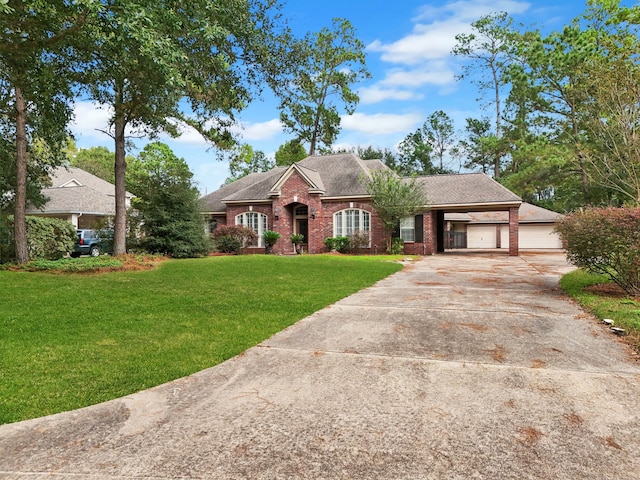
[(88, 242)]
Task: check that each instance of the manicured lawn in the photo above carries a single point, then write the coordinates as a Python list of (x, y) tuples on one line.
[(71, 340), (604, 300)]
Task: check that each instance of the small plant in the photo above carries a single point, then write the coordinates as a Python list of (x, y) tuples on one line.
[(231, 238), (297, 239), (270, 238), (338, 244), (358, 241), (397, 246)]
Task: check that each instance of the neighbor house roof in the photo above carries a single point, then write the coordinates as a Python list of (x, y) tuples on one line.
[(74, 190), (528, 213)]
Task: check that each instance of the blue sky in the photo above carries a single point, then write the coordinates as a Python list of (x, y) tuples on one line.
[(408, 54)]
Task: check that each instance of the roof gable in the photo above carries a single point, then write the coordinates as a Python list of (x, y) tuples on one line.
[(311, 178)]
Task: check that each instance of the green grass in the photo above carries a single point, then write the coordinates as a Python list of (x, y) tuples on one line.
[(624, 311), (74, 340)]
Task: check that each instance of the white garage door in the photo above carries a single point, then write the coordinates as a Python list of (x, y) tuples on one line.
[(538, 236), (481, 236)]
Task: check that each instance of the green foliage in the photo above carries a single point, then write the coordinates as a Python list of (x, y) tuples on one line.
[(97, 161), (605, 241), (270, 238), (245, 160), (70, 341), (625, 312), (232, 238), (47, 238), (394, 198), (330, 62), (168, 204), (338, 244), (296, 238), (397, 246), (291, 151), (436, 136)]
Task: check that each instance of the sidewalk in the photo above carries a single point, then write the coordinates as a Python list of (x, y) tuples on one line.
[(458, 367)]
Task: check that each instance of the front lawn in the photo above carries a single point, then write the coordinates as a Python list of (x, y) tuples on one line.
[(71, 340), (604, 299)]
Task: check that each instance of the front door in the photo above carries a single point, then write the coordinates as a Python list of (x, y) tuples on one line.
[(302, 227)]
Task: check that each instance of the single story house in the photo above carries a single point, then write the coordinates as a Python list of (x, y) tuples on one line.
[(324, 196), (490, 229), (79, 197)]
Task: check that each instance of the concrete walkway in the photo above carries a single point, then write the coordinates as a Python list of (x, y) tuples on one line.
[(458, 367)]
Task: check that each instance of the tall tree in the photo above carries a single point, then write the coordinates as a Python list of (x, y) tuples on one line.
[(97, 161), (168, 203), (440, 133), (332, 61), (489, 48), (394, 198), (149, 55), (289, 152), (35, 91), (245, 160)]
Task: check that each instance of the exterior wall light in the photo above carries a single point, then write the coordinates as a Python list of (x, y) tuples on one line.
[(313, 212), (275, 214)]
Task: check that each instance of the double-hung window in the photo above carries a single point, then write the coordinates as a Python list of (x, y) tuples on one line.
[(408, 229)]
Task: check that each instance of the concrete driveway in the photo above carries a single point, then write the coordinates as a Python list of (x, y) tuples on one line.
[(458, 367)]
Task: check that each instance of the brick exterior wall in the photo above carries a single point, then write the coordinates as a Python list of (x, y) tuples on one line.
[(514, 222)]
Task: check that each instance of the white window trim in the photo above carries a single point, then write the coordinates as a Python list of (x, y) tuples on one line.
[(345, 223), (408, 229), (260, 218)]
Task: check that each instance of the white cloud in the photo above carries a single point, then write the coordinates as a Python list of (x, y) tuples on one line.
[(89, 118), (433, 36), (380, 123), (376, 94), (261, 130)]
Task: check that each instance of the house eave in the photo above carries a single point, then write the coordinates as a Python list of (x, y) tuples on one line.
[(471, 207)]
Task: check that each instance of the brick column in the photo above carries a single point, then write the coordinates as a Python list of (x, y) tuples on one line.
[(513, 231), (430, 241)]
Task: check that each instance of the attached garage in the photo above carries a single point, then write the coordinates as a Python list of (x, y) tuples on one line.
[(491, 229)]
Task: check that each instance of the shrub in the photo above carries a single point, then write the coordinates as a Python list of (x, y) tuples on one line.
[(358, 241), (605, 241), (397, 246), (339, 244), (231, 238), (270, 238), (49, 238)]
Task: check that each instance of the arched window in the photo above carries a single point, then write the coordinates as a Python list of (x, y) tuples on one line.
[(256, 222), (347, 222)]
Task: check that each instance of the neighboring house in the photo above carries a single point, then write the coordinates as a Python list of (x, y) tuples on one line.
[(324, 196), (79, 197), (490, 229)]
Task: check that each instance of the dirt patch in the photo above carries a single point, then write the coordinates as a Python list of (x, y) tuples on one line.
[(573, 418), (612, 443), (475, 326), (530, 434), (537, 363), (609, 290), (498, 353)]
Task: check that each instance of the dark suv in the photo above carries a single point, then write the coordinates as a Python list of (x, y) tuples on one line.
[(88, 243)]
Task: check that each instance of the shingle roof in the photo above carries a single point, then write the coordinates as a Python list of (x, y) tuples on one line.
[(74, 190), (465, 190), (341, 175), (528, 213)]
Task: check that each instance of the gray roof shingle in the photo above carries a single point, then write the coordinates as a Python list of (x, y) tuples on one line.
[(465, 190)]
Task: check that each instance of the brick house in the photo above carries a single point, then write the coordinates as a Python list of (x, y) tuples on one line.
[(324, 196)]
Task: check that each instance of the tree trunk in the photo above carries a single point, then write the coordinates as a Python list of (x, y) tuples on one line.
[(120, 226), (19, 218)]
